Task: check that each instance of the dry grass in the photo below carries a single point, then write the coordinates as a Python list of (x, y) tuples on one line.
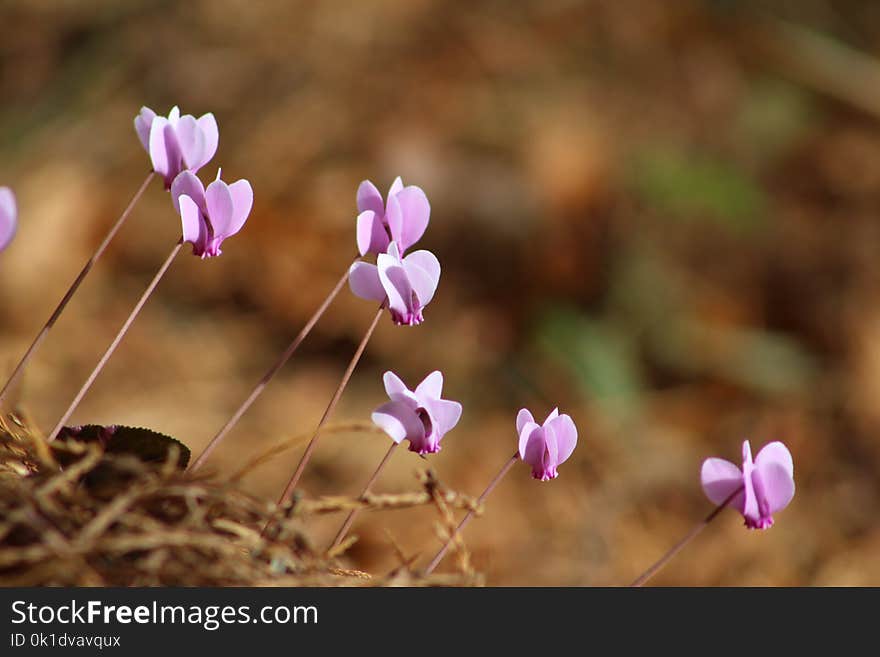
[(76, 514)]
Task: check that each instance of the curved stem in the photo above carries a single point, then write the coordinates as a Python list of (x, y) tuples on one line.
[(439, 556), (340, 535), (263, 382), (662, 561), (121, 334), (16, 373), (310, 448)]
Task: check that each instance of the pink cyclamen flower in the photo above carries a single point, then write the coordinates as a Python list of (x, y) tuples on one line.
[(210, 215), (402, 219), (419, 416), (767, 483), (8, 217), (407, 284), (545, 447), (177, 143)]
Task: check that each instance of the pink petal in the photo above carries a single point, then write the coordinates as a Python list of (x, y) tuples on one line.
[(522, 418), (399, 421), (194, 229), (719, 479), (369, 198), (396, 186), (396, 284), (8, 217), (776, 486), (142, 123), (394, 219), (158, 149), (535, 447), (431, 387), (566, 436), (553, 415), (551, 454), (775, 452), (208, 126), (525, 436), (416, 214), (445, 413), (363, 279), (371, 234), (220, 207), (189, 184), (423, 271), (191, 141), (242, 201), (396, 389)]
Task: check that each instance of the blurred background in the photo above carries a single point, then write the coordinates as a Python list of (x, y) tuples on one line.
[(662, 217)]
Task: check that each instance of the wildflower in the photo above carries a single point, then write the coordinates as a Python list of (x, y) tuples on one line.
[(545, 447), (210, 216), (419, 416), (406, 284), (402, 219), (177, 143), (8, 217), (766, 485)]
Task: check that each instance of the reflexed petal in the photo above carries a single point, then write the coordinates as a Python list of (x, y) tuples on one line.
[(369, 198), (777, 485), (8, 217), (158, 149), (191, 141), (399, 421), (396, 186), (394, 219), (423, 271), (444, 412), (775, 452), (535, 447), (553, 415), (242, 201), (566, 436), (194, 228), (142, 123), (174, 115), (396, 284), (208, 126), (371, 234), (220, 207), (522, 418), (416, 214), (719, 479), (551, 455), (396, 389), (188, 183), (525, 435), (431, 387), (363, 279)]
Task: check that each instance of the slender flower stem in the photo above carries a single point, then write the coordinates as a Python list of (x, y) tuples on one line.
[(340, 535), (439, 556), (648, 574), (16, 373), (262, 383), (106, 357), (294, 480)]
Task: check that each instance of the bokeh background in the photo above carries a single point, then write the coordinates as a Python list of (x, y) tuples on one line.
[(662, 217)]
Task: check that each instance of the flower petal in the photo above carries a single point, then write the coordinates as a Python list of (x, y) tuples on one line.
[(566, 436), (188, 183), (719, 479), (431, 387), (396, 186), (534, 446), (522, 418), (220, 207), (208, 126), (8, 217), (363, 279), (158, 148), (423, 271), (445, 413), (525, 436), (142, 123), (777, 485), (397, 286), (416, 214), (396, 389), (399, 421), (242, 201), (194, 228), (553, 415), (775, 452), (394, 219), (371, 234), (369, 198), (191, 141)]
